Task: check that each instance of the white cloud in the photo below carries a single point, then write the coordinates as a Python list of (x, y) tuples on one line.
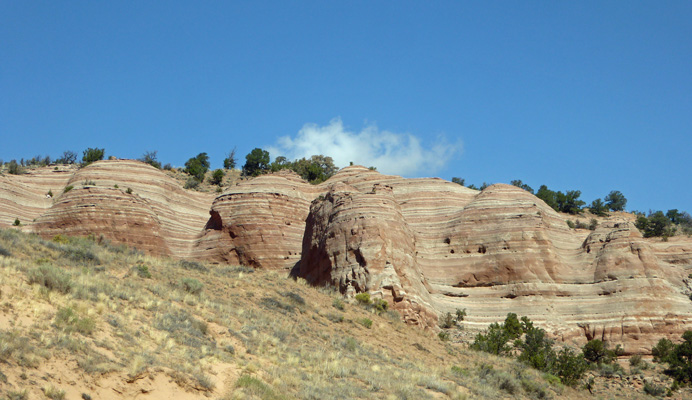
[(392, 153)]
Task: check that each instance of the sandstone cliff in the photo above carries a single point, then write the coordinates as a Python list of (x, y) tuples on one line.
[(427, 246)]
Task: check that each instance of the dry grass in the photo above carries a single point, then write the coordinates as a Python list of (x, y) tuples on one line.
[(230, 332)]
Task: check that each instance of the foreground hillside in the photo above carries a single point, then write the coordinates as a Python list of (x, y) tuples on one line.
[(79, 319), (108, 322)]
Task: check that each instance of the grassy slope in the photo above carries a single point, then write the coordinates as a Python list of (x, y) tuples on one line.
[(78, 317)]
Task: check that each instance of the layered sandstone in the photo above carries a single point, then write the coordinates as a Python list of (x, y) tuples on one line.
[(112, 213), (158, 215), (427, 246), (259, 222), (25, 197), (360, 242)]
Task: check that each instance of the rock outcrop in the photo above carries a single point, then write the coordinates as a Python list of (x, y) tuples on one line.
[(360, 242), (157, 215), (259, 222), (113, 213), (426, 246)]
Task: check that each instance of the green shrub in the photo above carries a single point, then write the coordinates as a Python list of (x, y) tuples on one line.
[(536, 350), (129, 190), (654, 390), (335, 318), (217, 177), (447, 321), (570, 367), (17, 222), (143, 271), (663, 350), (363, 298), (197, 166), (67, 320), (191, 183), (183, 327), (203, 380), (14, 168), (230, 161), (366, 322), (51, 278), (256, 162), (67, 188), (17, 395), (679, 359), (616, 201), (380, 305), (60, 239), (461, 314), (53, 393), (92, 155), (338, 304), (656, 224), (295, 298), (255, 387), (81, 253), (191, 285), (636, 360), (571, 224), (5, 252), (444, 336), (599, 208), (495, 338), (193, 266), (596, 351), (149, 157), (493, 341), (610, 370)]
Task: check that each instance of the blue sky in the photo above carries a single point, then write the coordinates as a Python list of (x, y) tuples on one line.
[(595, 96)]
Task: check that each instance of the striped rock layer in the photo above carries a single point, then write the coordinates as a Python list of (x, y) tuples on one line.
[(157, 215), (426, 246)]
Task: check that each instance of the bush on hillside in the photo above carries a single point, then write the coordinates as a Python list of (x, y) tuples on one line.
[(197, 166), (535, 347), (150, 158), (596, 351), (217, 177), (518, 183), (230, 161), (91, 155), (256, 162), (68, 157), (616, 201), (598, 207), (14, 168), (678, 357)]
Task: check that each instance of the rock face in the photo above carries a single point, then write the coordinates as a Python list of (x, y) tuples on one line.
[(118, 216), (360, 242), (158, 215), (25, 197), (426, 246), (258, 222)]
